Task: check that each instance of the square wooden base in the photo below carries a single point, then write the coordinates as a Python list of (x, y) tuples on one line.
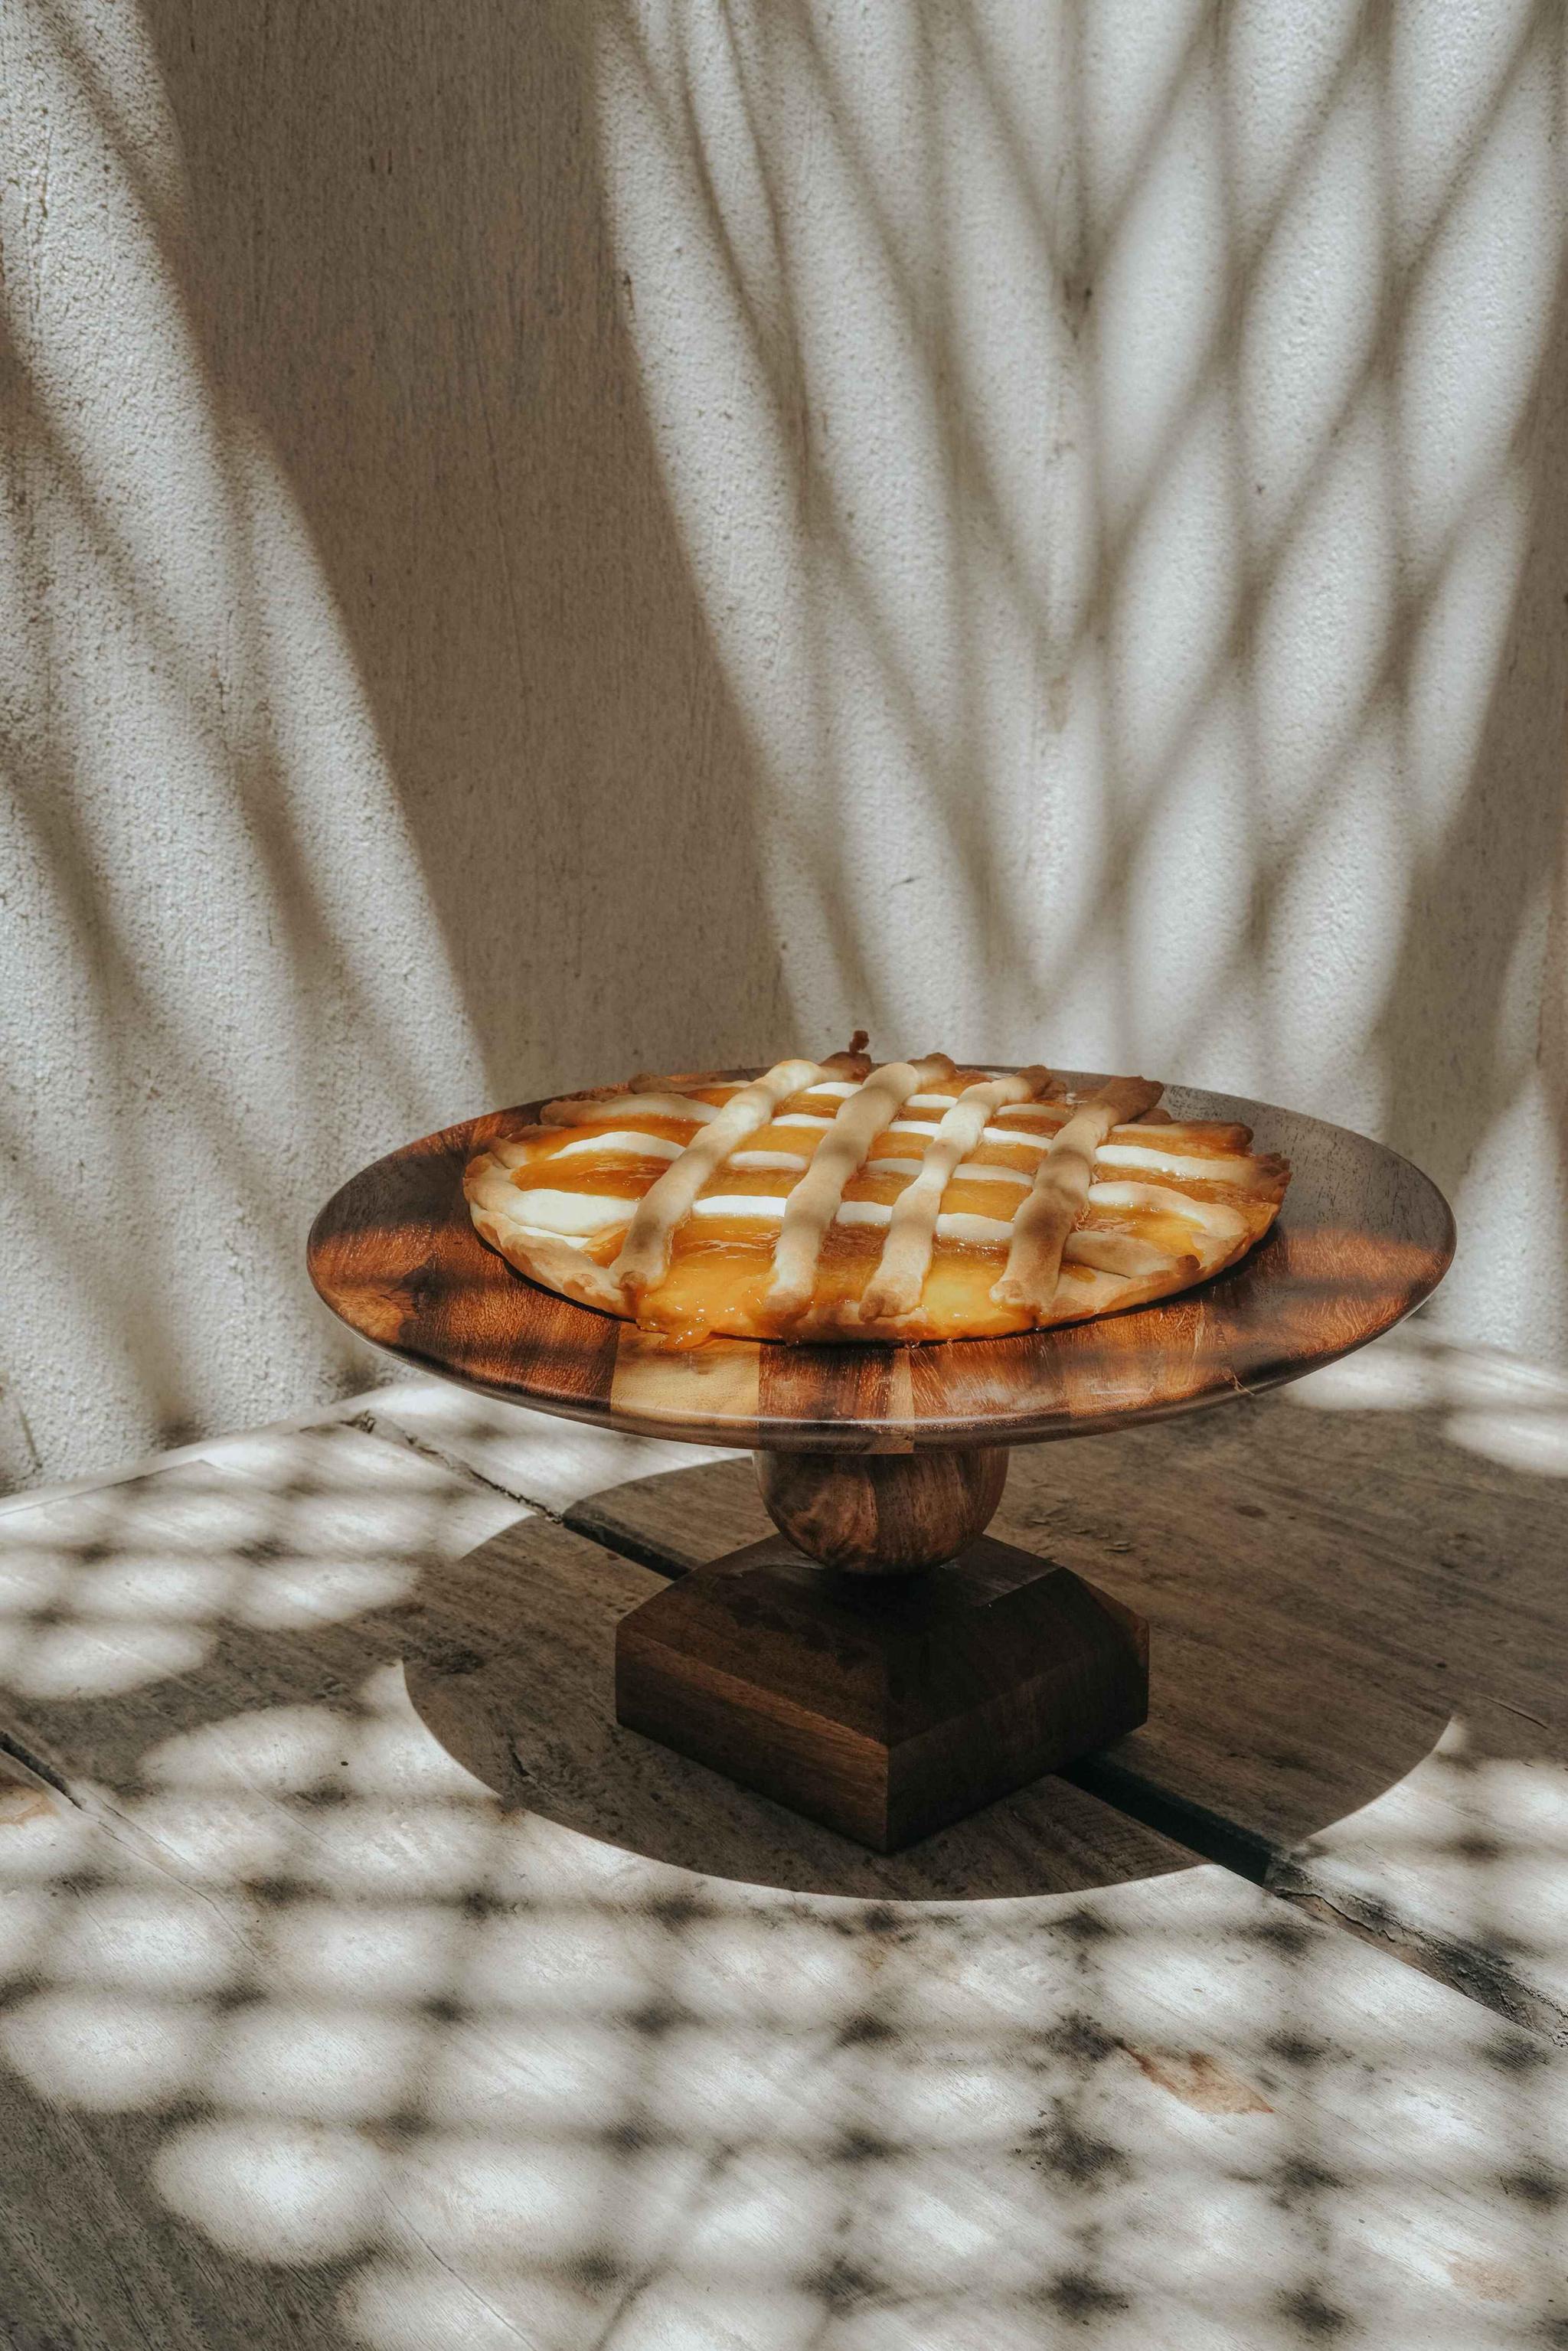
[(886, 1706)]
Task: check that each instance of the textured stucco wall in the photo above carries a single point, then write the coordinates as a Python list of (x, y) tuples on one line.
[(540, 539)]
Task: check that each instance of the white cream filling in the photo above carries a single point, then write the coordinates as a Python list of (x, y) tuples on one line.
[(570, 1212), (623, 1138), (1006, 1134), (1038, 1138), (799, 1118), (1166, 1163), (861, 1212), (972, 1172), (766, 1207), (767, 1159), (960, 1227), (1213, 1217), (766, 1210)]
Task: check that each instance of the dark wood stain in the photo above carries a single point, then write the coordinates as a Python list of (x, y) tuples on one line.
[(884, 1710)]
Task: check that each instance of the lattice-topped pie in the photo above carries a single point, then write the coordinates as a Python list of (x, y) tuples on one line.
[(830, 1201)]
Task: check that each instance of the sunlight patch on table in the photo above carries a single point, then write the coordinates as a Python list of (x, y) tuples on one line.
[(108, 2051), (274, 2191), (283, 2057), (1493, 1404)]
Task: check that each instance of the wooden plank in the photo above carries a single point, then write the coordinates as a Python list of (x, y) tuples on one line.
[(542, 1461), (405, 2002), (1359, 1621), (206, 1449), (313, 1559), (519, 1452)]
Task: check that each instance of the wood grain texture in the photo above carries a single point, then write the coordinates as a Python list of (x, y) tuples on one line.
[(512, 1665), (886, 1710), (1363, 1236), (1357, 1620), (882, 1514), (306, 1563), (364, 1985)]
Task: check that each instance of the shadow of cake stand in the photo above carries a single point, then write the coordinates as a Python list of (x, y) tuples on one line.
[(882, 1665)]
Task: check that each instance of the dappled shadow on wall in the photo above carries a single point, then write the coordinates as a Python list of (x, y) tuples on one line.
[(1008, 481), (1125, 478), (213, 886), (437, 346), (593, 537), (371, 762)]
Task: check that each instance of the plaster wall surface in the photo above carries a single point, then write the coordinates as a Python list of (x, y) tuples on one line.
[(541, 541)]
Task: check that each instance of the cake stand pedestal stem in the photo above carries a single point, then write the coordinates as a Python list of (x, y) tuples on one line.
[(882, 1513)]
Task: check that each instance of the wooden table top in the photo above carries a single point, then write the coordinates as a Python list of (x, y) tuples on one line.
[(1363, 1236), (364, 1985)]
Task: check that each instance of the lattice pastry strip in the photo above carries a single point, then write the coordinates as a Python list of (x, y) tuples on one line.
[(822, 1200), (814, 1202), (1060, 1193), (894, 1288)]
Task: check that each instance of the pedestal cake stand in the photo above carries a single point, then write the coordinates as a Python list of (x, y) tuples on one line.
[(882, 1663)]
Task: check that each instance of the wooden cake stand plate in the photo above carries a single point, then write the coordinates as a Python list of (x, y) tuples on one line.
[(882, 1665)]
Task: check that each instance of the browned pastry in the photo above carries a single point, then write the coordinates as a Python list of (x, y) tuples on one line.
[(828, 1200)]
